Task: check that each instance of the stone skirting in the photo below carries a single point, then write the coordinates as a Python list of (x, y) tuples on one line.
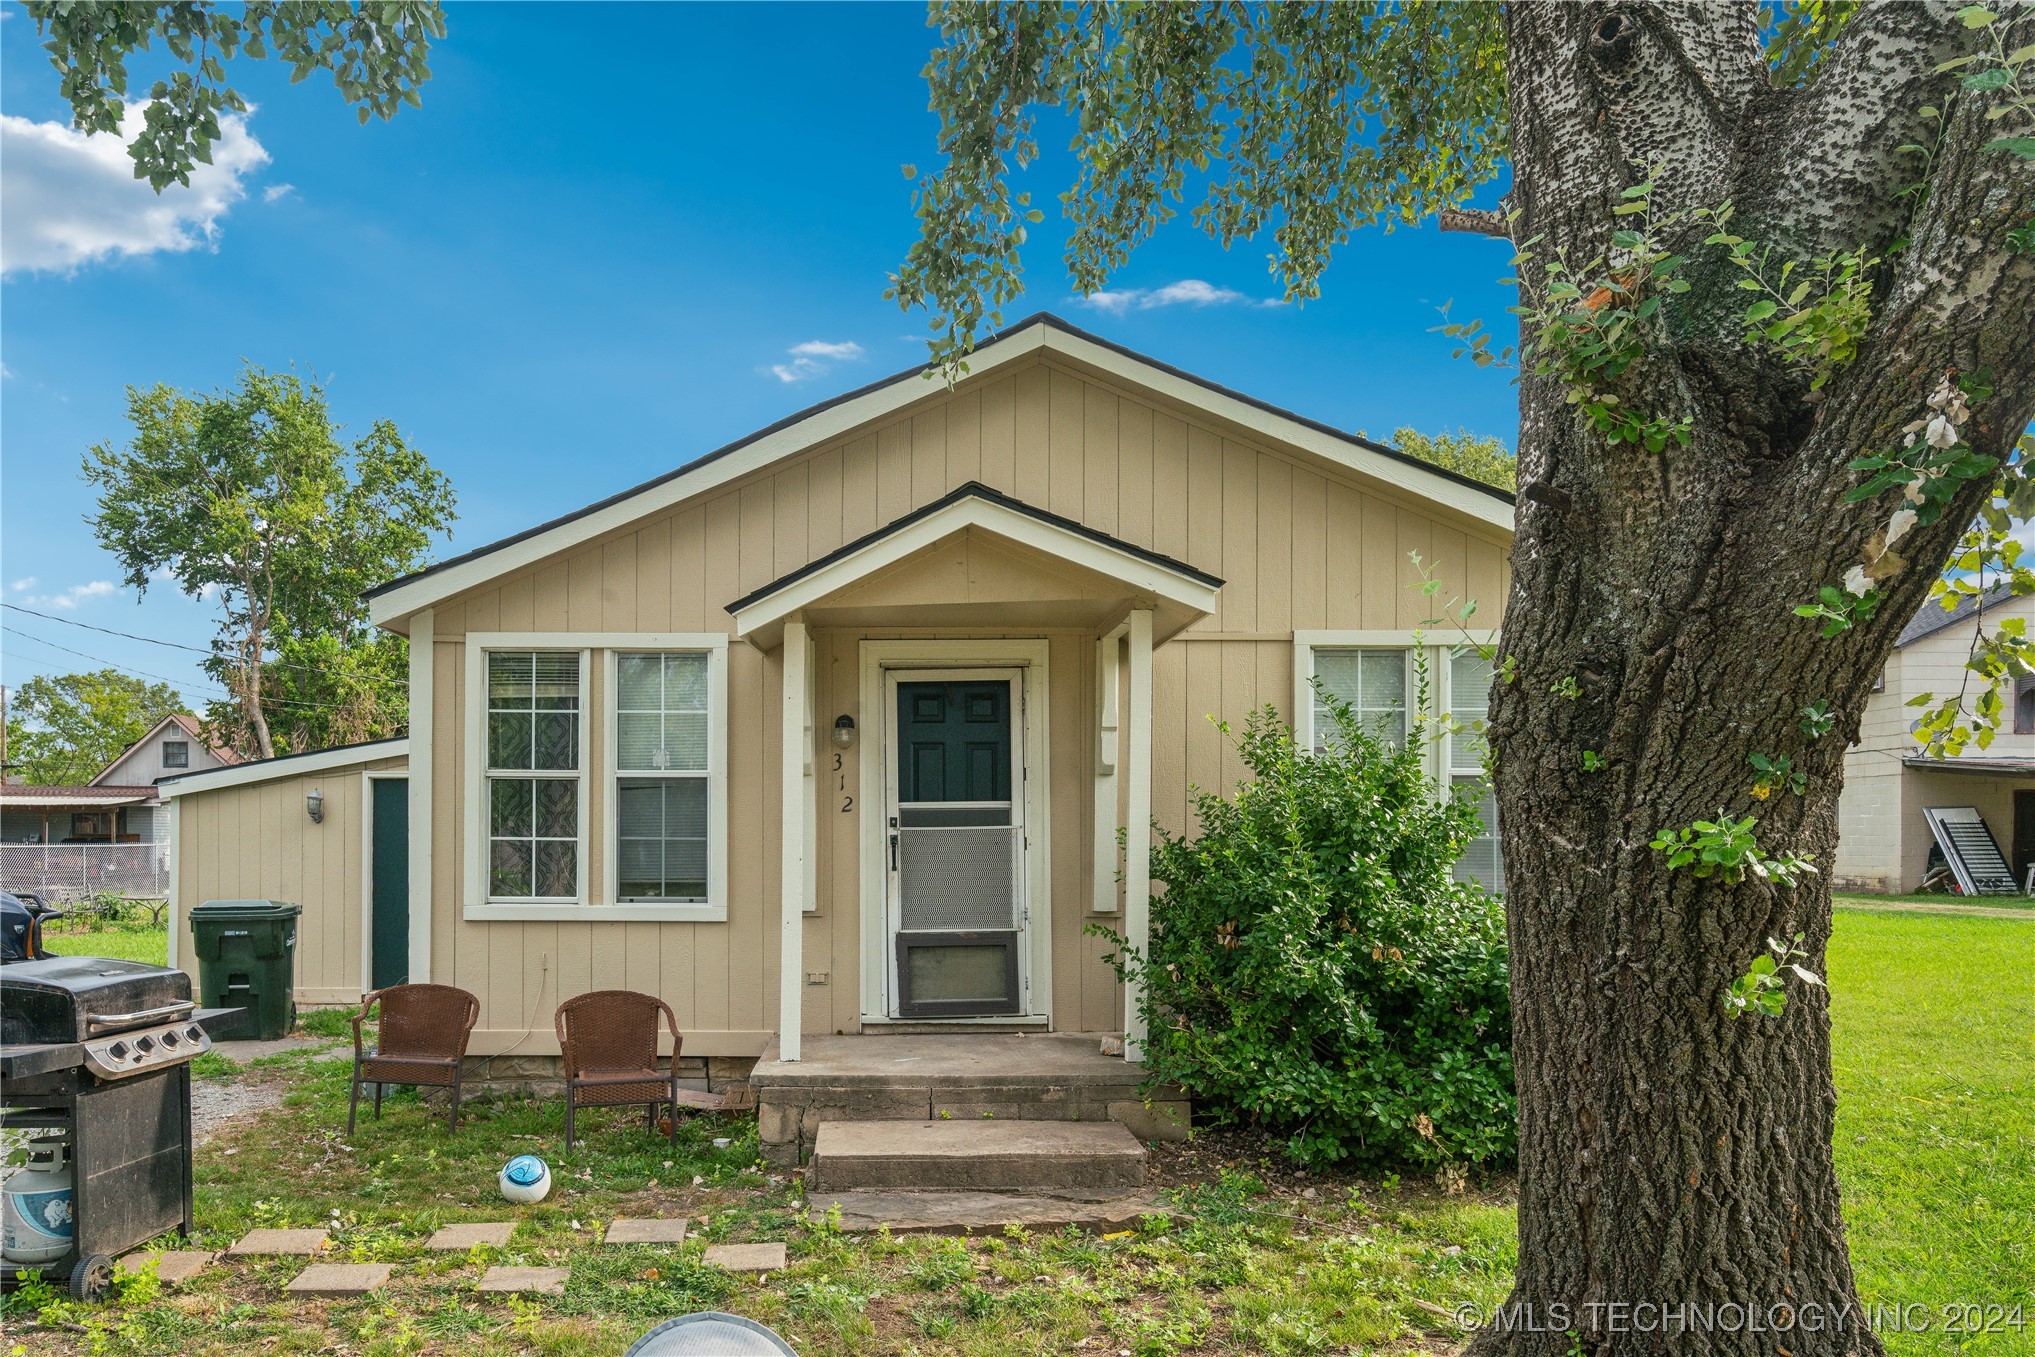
[(882, 1077), (543, 1076)]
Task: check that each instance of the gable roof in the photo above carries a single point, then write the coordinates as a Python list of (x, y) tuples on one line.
[(391, 602), (975, 505), (285, 765), (1934, 617), (183, 721)]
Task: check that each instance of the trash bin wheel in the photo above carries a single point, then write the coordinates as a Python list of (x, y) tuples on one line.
[(92, 1278)]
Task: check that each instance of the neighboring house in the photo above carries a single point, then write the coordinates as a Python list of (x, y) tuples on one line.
[(1884, 843), (839, 728), (102, 827)]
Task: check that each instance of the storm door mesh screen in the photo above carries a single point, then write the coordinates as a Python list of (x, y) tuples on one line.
[(957, 864)]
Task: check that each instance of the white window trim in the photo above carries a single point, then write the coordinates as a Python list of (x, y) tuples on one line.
[(1034, 657), (585, 908), (479, 904), (1436, 753), (713, 909)]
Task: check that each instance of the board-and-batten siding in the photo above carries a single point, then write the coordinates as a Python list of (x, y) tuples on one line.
[(257, 842), (1300, 546)]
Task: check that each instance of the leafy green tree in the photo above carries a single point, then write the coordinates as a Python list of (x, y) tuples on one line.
[(1774, 272), (375, 53), (247, 496), (63, 730), (1477, 456)]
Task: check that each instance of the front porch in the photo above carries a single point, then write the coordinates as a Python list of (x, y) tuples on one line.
[(964, 1077), (962, 693)]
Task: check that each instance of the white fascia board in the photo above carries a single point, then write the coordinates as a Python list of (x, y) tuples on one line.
[(818, 428), (290, 765), (1134, 571), (1365, 461)]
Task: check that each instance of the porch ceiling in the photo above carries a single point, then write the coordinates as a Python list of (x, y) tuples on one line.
[(980, 558)]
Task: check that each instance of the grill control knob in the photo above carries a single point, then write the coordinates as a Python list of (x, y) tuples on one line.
[(117, 1051), (169, 1040), (143, 1045)]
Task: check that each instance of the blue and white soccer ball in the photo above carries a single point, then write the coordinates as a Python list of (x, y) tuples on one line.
[(525, 1179)]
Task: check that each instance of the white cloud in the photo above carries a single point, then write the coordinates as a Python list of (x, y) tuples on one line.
[(72, 199), (275, 193), (1186, 292), (69, 598), (23, 585), (813, 357)]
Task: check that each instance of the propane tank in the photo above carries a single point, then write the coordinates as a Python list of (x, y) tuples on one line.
[(35, 1206)]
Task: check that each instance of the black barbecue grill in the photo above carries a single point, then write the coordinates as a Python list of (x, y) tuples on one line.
[(96, 1053)]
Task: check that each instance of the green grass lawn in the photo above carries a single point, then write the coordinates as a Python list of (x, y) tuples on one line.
[(1934, 1019), (129, 944), (1934, 1046)]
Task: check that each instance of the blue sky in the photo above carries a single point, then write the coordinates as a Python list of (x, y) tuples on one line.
[(583, 261)]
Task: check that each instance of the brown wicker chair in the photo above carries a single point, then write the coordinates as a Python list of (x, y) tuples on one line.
[(609, 1039), (423, 1042)]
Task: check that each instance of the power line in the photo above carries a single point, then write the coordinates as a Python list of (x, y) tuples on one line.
[(173, 645), (216, 694)]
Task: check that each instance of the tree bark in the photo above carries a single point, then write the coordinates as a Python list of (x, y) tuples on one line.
[(1672, 1155)]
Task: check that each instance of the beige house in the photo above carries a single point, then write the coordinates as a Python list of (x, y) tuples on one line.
[(1884, 840), (836, 729)]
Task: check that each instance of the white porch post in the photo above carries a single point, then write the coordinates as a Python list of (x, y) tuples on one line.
[(1107, 662), (792, 840), (1137, 873)]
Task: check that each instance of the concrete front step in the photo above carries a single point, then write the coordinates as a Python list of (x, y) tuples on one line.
[(976, 1156)]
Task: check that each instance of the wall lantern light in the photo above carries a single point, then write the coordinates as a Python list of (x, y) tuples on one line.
[(844, 732), (315, 804)]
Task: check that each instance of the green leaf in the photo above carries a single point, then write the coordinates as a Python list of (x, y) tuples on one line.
[(1760, 310)]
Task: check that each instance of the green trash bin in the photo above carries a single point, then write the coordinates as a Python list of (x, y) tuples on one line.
[(246, 952)]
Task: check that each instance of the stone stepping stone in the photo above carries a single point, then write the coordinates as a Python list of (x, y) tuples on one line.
[(982, 1213), (258, 1242), (747, 1257), (340, 1279), (171, 1265), (628, 1230), (473, 1234), (542, 1281)]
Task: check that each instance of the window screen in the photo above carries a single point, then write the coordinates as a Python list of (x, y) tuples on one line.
[(534, 708)]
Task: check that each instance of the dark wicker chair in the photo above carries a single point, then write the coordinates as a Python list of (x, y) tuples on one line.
[(423, 1042), (609, 1039)]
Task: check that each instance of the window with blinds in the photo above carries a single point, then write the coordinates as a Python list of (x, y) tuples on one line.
[(1373, 682), (1469, 702), (662, 763), (535, 699)]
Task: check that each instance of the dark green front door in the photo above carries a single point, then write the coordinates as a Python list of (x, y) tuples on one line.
[(390, 882), (955, 834)]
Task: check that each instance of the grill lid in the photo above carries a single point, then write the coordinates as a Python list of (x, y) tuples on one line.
[(57, 999)]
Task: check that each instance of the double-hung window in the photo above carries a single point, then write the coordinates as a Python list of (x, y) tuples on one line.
[(1469, 700), (1379, 674), (663, 764), (533, 812), (176, 753)]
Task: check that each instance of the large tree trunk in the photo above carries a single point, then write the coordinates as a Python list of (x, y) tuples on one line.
[(1671, 1154)]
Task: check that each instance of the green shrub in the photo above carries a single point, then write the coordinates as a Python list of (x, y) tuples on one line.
[(1316, 969)]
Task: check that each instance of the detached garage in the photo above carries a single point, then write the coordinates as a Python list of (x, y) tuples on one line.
[(327, 831)]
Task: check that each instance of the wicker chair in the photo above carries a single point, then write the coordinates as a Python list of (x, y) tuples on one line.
[(423, 1042), (609, 1039)]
